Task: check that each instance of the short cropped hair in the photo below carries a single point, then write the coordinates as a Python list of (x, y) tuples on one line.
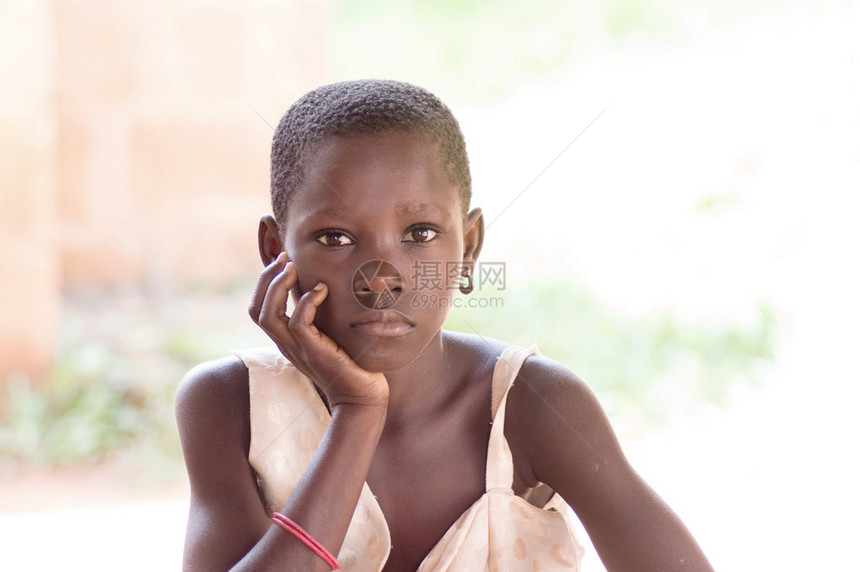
[(362, 107)]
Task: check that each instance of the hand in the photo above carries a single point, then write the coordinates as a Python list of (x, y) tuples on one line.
[(311, 351)]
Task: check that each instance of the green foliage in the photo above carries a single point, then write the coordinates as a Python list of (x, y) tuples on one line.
[(644, 369), (110, 391), (88, 407)]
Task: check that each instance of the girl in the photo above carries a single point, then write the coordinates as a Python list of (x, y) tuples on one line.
[(368, 432)]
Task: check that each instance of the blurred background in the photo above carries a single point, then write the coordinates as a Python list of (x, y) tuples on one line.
[(671, 186)]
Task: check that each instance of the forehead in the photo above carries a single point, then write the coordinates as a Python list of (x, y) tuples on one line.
[(392, 169)]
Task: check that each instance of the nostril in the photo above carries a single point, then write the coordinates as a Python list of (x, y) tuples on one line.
[(376, 277), (378, 284)]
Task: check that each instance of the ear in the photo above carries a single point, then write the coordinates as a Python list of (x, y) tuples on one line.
[(269, 239), (473, 235)]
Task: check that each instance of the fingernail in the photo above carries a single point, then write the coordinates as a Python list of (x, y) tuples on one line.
[(281, 257), (319, 286)]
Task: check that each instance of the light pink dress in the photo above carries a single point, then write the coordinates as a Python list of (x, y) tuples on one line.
[(499, 532)]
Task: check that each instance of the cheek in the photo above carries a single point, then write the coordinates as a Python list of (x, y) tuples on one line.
[(438, 277), (339, 299), (312, 269), (310, 272)]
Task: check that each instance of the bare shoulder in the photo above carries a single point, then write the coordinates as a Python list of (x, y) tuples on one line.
[(547, 388), (557, 423), (477, 354), (212, 406), (214, 387)]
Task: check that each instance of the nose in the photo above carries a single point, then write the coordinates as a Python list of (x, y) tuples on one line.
[(377, 284)]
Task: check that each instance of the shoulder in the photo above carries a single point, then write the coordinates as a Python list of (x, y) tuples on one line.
[(213, 398), (544, 386), (557, 422), (210, 383), (479, 352)]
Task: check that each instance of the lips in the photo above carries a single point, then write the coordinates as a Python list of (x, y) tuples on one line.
[(383, 324)]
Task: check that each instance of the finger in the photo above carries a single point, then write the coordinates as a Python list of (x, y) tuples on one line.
[(274, 306), (268, 274), (302, 321), (266, 277), (273, 313), (321, 353)]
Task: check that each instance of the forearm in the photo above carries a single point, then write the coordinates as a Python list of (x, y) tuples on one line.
[(326, 496)]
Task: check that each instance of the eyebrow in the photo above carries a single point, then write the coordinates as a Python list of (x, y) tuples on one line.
[(415, 207), (334, 211)]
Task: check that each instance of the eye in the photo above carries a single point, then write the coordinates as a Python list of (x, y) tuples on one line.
[(420, 234), (334, 238)]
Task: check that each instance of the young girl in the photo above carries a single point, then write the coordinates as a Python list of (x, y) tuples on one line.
[(369, 438)]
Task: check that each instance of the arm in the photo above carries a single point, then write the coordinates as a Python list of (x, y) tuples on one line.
[(227, 523), (226, 517), (326, 496), (567, 442)]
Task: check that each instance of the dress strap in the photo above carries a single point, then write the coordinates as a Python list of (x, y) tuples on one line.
[(500, 465)]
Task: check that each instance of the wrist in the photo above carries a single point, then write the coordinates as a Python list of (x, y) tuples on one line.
[(370, 406), (374, 400), (370, 410)]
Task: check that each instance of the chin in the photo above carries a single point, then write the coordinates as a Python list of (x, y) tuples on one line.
[(383, 360), (383, 354)]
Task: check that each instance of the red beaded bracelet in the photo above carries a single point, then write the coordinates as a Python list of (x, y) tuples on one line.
[(306, 538)]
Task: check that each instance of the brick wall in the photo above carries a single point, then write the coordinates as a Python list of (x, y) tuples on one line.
[(132, 150)]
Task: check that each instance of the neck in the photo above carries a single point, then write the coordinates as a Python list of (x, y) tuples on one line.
[(419, 386)]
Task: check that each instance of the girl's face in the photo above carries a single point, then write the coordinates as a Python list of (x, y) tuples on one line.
[(383, 197)]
